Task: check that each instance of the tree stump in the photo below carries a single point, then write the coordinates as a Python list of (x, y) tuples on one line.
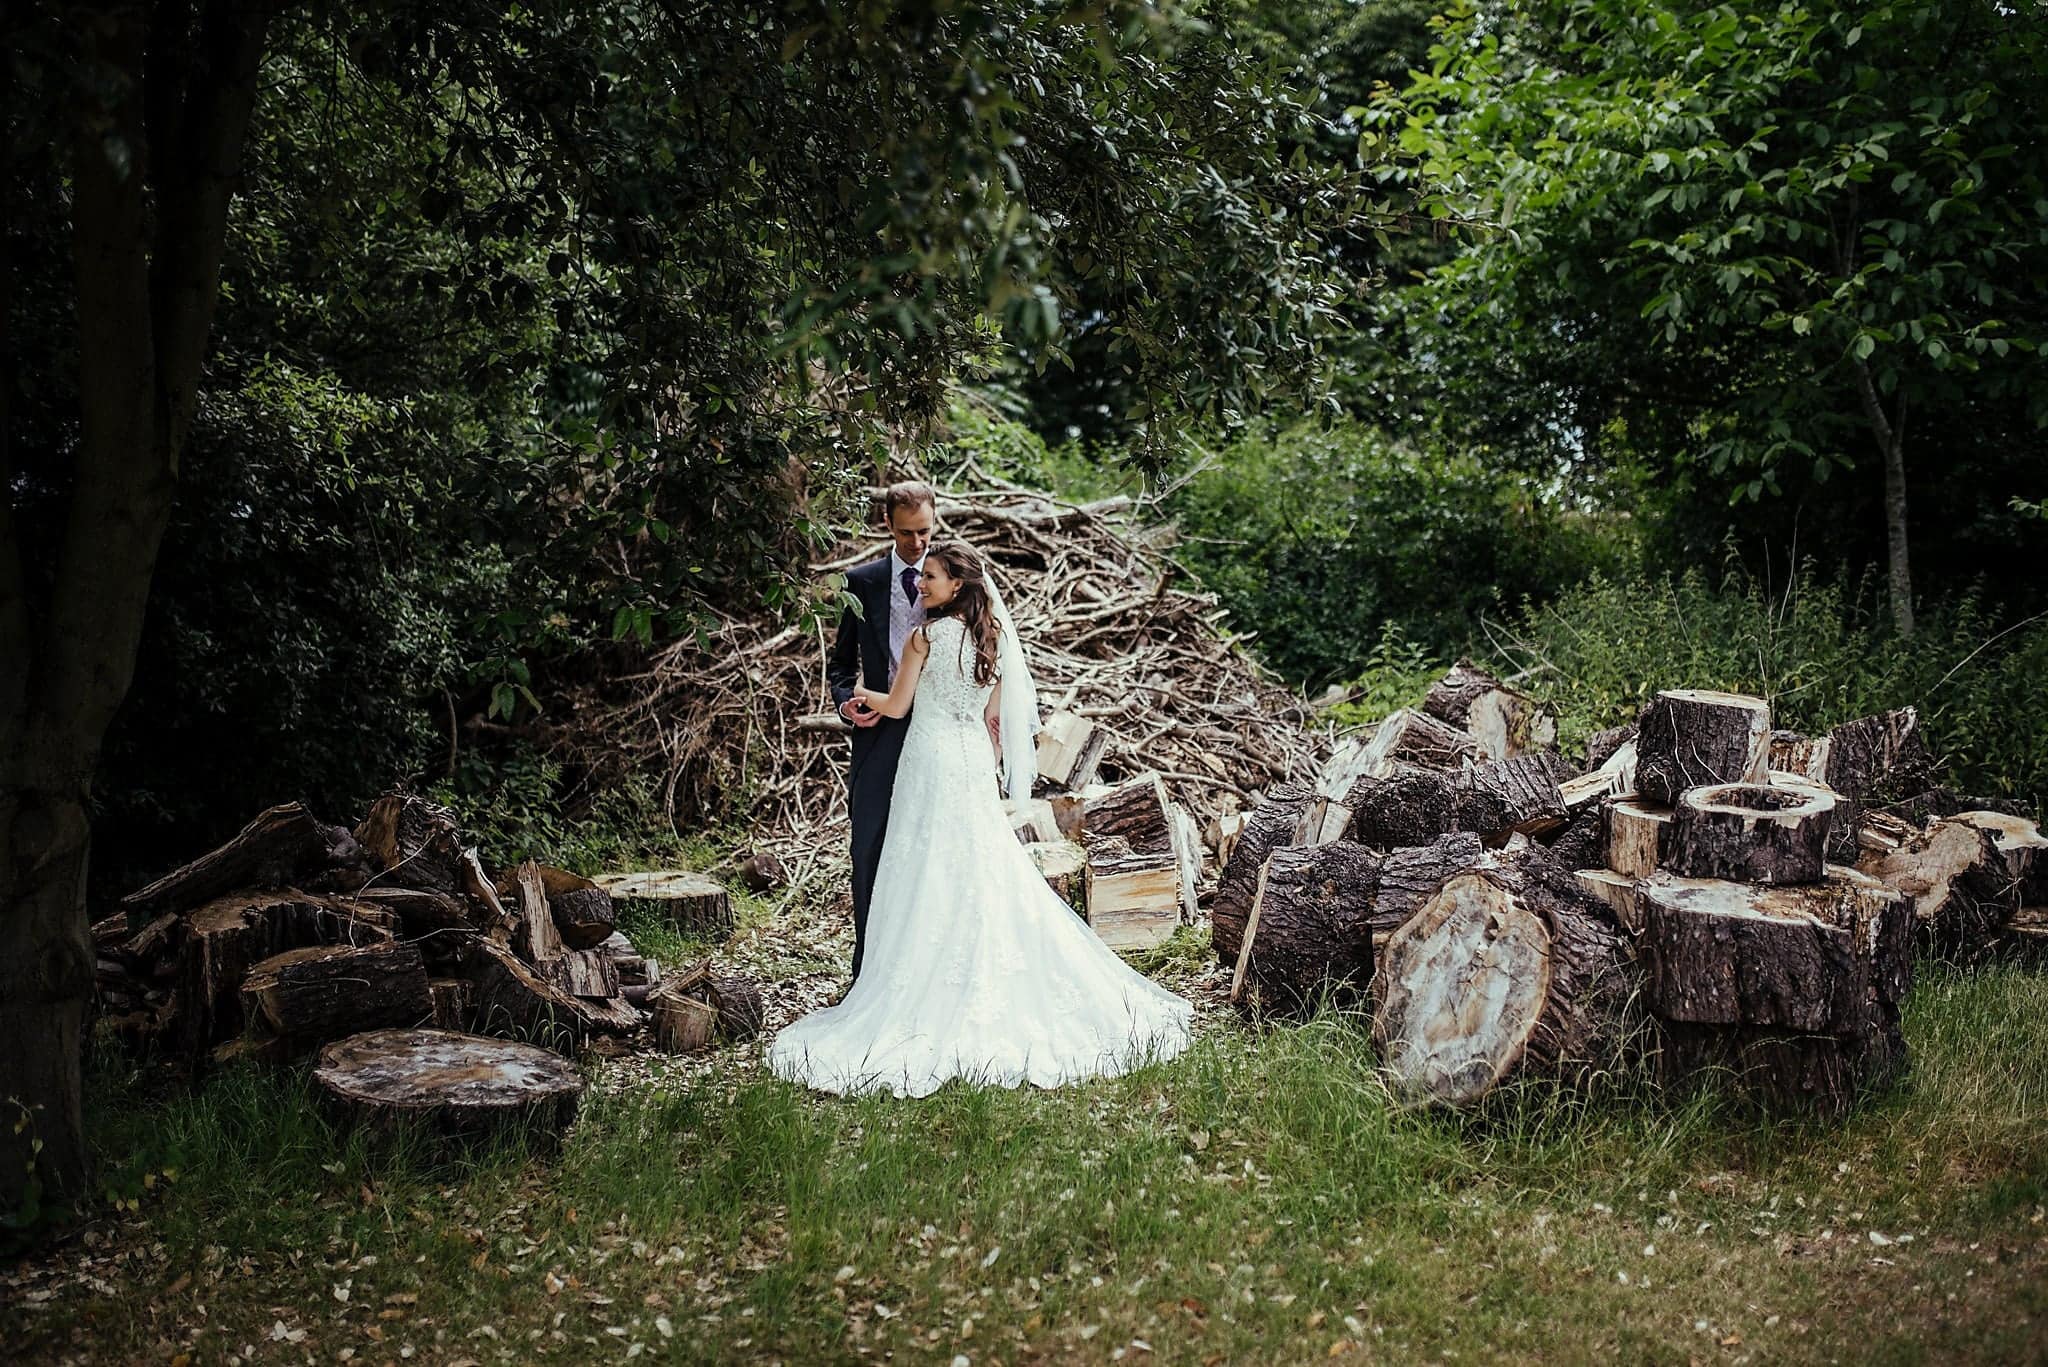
[(1750, 833), (1509, 970), (1503, 722), (1638, 836), (1310, 929), (2023, 847), (1267, 827), (1808, 958), (1688, 737), (320, 993), (1495, 800), (1958, 882), (686, 900), (456, 1082), (683, 1024), (415, 843)]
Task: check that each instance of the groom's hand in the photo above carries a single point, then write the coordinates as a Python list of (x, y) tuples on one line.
[(858, 712)]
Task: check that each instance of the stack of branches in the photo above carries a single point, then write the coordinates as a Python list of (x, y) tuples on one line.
[(741, 719)]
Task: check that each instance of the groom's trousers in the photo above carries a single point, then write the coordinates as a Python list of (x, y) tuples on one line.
[(870, 781)]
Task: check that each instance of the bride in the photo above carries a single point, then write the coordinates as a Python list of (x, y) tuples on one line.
[(975, 968)]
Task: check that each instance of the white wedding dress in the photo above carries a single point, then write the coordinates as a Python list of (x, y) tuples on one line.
[(974, 967)]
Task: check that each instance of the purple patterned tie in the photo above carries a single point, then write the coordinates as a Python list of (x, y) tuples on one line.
[(910, 585)]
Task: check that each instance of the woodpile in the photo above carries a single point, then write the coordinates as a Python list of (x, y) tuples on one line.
[(698, 1007), (295, 935), (1135, 669), (1506, 917)]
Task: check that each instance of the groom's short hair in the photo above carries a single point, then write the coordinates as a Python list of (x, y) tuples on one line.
[(909, 493)]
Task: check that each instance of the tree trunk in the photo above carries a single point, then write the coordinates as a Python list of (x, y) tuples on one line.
[(1751, 833), (1692, 736), (1267, 827), (1890, 433), (147, 276)]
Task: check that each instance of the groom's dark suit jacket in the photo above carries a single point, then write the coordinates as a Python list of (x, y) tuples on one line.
[(860, 655)]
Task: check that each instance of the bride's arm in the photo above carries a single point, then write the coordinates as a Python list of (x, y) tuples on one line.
[(992, 718), (896, 702)]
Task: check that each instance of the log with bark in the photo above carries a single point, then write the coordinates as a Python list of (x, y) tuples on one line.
[(1135, 812), (1494, 799), (1268, 826), (1502, 721), (1509, 970), (1310, 929), (415, 844), (2024, 848), (1133, 896), (763, 872), (509, 997), (1621, 893), (689, 901), (284, 846), (451, 998), (1750, 833), (1687, 737), (1070, 749), (1638, 835), (1419, 740), (1958, 882), (683, 1024), (320, 993), (1603, 746), (450, 1081)]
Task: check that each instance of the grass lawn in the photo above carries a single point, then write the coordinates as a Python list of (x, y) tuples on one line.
[(1257, 1200)]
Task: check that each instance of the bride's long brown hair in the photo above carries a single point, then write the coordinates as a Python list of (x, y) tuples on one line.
[(970, 604)]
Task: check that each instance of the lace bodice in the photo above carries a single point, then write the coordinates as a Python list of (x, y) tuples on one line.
[(946, 690)]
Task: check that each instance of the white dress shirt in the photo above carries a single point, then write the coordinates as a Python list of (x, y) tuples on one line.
[(905, 614)]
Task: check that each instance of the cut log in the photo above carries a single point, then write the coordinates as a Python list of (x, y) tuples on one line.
[(1187, 854), (312, 995), (584, 916), (1409, 878), (230, 935), (1509, 970), (1583, 842), (1419, 740), (1133, 896), (683, 1024), (458, 1082), (1032, 819), (1602, 747), (688, 901), (1638, 835), (1807, 958), (1350, 761), (1620, 892), (1064, 866), (1880, 833), (2024, 847), (1134, 812), (1310, 930), (763, 872), (1494, 799), (583, 973), (283, 847), (1321, 821), (1266, 828), (1789, 1070), (1688, 737), (1583, 792), (512, 999), (1070, 750), (1503, 722), (1879, 756), (535, 937), (497, 922), (1070, 813), (451, 1003), (423, 913), (1959, 885), (738, 1004), (415, 844), (1750, 833)]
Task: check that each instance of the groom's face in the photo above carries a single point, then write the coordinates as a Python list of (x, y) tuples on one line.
[(911, 527)]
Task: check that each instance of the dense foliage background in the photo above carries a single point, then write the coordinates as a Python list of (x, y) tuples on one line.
[(1548, 333)]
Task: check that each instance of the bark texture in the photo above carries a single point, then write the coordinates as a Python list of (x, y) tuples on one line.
[(1312, 928), (1494, 799), (1267, 827), (1959, 885), (1687, 737), (1503, 722), (1751, 833)]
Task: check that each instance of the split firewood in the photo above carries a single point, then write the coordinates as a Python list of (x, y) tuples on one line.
[(283, 847), (509, 997), (1187, 854), (422, 912), (2024, 847), (2025, 937), (1509, 970), (739, 1006), (1310, 929), (1327, 817), (1069, 813), (1879, 833), (1961, 889), (1881, 755), (535, 937), (683, 1024), (1638, 836), (1267, 827), (322, 992), (1750, 833), (1133, 895), (415, 844), (1807, 958), (1070, 749), (1032, 819), (1496, 798), (1064, 866), (1221, 835), (1503, 722), (583, 973), (1583, 792), (689, 901), (1688, 737), (458, 1082), (1417, 739), (1134, 812), (1621, 893)]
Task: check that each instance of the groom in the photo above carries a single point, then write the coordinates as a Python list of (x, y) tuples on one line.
[(867, 651)]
